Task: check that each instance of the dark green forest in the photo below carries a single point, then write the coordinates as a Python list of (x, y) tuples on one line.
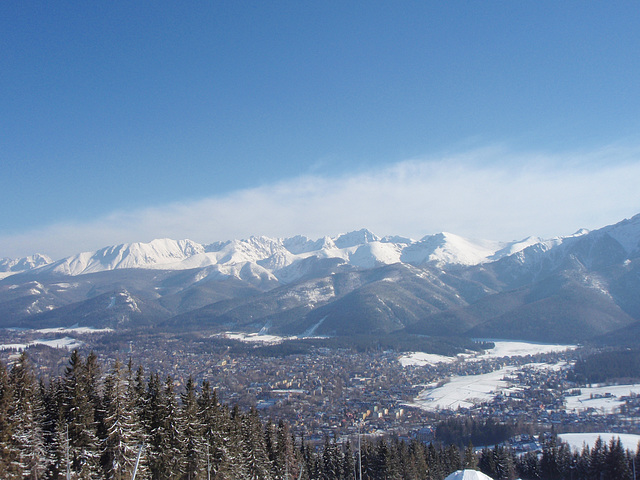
[(98, 424), (614, 366)]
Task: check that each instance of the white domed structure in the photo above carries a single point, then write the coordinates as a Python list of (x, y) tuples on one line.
[(468, 475)]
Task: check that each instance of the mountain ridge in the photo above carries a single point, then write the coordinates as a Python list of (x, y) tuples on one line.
[(576, 288), (361, 248)]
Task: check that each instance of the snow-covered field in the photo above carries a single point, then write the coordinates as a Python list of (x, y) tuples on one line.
[(469, 390), (577, 440), (420, 359), (66, 342), (465, 391), (503, 348), (77, 330), (603, 399), (253, 338)]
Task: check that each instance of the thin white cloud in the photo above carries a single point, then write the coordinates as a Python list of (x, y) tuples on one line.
[(490, 193)]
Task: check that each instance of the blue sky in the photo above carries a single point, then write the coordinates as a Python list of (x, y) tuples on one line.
[(128, 121)]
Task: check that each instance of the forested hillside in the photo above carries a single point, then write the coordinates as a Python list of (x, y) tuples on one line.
[(98, 424)]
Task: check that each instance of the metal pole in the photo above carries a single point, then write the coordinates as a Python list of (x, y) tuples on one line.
[(66, 437), (360, 449), (135, 469)]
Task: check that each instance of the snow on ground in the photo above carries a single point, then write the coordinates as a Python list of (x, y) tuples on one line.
[(503, 348), (465, 391), (66, 342), (78, 330), (253, 338), (506, 348), (603, 399), (421, 359), (577, 440)]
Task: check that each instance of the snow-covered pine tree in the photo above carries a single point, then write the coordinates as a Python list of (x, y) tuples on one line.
[(77, 424), (270, 442), (26, 416), (286, 452), (235, 464), (192, 433), (166, 460), (6, 398), (348, 463), (597, 460), (214, 419), (120, 445), (331, 459), (469, 458), (135, 395), (616, 462), (255, 452)]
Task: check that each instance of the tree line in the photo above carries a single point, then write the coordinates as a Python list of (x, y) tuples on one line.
[(91, 425), (618, 365)]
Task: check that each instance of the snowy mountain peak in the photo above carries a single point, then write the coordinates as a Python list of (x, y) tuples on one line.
[(449, 249), (580, 232), (262, 259), (25, 263), (626, 233), (126, 255), (11, 266), (353, 239)]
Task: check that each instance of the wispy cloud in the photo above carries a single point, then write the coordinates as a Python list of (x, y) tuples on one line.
[(489, 193)]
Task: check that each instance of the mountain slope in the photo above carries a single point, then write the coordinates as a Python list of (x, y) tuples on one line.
[(577, 288), (275, 258)]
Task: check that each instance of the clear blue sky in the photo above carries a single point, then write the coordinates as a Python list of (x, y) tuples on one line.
[(109, 108)]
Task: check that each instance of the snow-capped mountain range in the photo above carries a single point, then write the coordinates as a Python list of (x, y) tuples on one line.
[(277, 258), (572, 288)]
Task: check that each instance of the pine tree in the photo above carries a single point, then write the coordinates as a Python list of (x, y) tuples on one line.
[(165, 433), (529, 466), (235, 464), (254, 452), (77, 424), (470, 459), (54, 432), (330, 460), (270, 442), (597, 460), (348, 463), (135, 400), (285, 451), (215, 424), (416, 466), (6, 430), (27, 416), (152, 423), (583, 462), (452, 459), (506, 467), (192, 432), (120, 446), (488, 463), (549, 464), (616, 464)]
